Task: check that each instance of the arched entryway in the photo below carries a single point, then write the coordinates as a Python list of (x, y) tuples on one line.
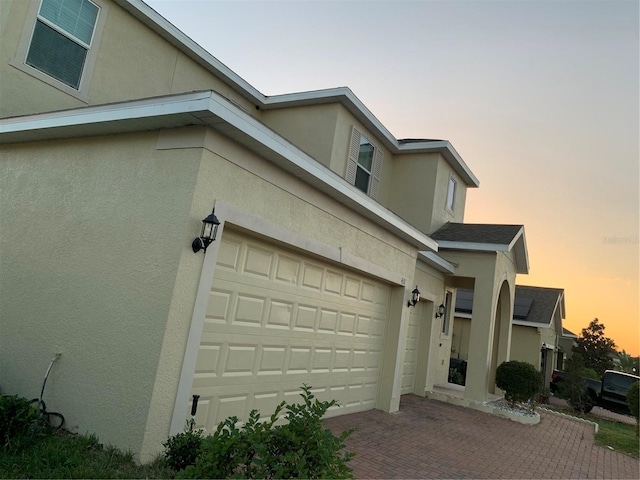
[(501, 333)]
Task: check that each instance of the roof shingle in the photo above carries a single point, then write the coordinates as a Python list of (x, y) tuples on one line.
[(477, 233)]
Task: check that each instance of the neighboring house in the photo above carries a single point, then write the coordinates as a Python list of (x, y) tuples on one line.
[(565, 347), (118, 134), (537, 331)]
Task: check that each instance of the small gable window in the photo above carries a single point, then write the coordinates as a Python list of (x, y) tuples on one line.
[(62, 39), (364, 165), (451, 194)]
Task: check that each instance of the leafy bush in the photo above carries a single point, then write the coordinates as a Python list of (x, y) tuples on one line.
[(633, 400), (519, 380), (301, 448), (573, 388), (182, 449), (17, 419)]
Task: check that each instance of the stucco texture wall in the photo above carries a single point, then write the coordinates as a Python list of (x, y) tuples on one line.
[(525, 345), (133, 62), (279, 197), (92, 231)]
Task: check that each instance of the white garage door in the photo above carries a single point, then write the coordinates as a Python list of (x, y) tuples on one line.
[(277, 319), (411, 349)]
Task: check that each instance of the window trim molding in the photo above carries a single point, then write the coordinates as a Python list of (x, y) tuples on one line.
[(373, 188), (451, 209), (20, 58)]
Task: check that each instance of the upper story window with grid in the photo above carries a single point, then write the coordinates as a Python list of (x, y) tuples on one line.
[(62, 38), (364, 164)]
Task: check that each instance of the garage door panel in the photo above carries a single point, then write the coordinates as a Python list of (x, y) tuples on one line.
[(235, 354), (277, 320), (352, 394)]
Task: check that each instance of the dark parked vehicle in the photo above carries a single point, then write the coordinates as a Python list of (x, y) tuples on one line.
[(610, 393)]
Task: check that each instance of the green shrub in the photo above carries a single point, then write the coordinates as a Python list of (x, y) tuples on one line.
[(519, 380), (182, 449), (573, 388), (18, 419), (633, 400), (301, 448)]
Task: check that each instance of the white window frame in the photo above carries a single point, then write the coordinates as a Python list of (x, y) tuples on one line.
[(19, 60), (352, 163), (451, 194)]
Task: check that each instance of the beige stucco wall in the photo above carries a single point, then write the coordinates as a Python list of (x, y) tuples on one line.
[(525, 344), (283, 200), (431, 284), (92, 234), (311, 128), (413, 186), (97, 265), (493, 275), (418, 193), (440, 214), (133, 62)]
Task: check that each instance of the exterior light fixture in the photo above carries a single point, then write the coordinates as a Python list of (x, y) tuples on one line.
[(415, 297), (207, 234), (441, 311)]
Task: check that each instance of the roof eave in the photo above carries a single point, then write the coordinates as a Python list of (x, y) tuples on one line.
[(169, 32), (352, 103), (156, 22), (208, 109), (437, 262)]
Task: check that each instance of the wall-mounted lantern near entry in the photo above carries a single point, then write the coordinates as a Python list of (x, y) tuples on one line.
[(441, 311), (207, 234), (415, 297)]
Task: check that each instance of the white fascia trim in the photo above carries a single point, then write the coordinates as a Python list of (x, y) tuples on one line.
[(462, 315), (256, 130), (345, 96), (480, 247), (524, 323), (436, 261), (176, 37), (138, 109), (516, 237), (450, 153), (201, 105)]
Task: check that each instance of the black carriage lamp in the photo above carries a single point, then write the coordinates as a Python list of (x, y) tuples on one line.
[(207, 234), (415, 297), (441, 311)]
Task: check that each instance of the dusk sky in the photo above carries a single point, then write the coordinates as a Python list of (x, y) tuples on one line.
[(540, 98)]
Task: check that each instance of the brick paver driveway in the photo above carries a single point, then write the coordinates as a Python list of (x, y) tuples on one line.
[(431, 439)]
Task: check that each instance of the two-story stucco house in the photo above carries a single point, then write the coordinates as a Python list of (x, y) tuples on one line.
[(119, 134)]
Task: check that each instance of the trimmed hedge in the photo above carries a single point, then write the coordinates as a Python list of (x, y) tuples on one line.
[(519, 380)]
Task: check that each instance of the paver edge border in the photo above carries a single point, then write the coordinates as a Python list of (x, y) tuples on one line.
[(566, 415)]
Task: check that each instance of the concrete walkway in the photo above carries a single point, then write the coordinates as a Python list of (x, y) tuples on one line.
[(432, 439)]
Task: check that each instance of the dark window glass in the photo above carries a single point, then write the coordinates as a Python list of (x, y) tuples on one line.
[(362, 180), (56, 55)]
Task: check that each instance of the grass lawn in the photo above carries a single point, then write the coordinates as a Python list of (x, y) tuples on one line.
[(619, 436), (64, 455)]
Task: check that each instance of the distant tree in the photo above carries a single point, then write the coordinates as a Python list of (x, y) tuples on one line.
[(628, 364), (595, 348)]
